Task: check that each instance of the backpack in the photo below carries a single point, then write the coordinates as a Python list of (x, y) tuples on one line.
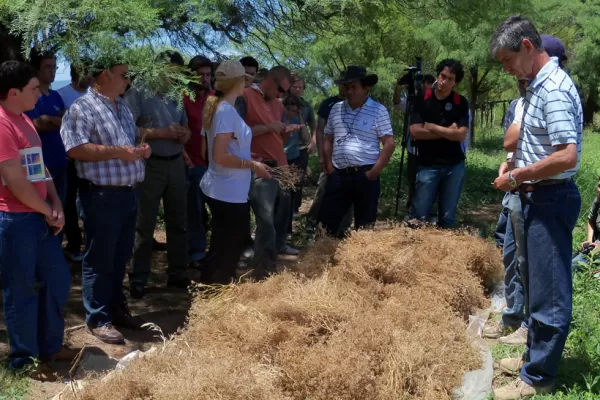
[(455, 97)]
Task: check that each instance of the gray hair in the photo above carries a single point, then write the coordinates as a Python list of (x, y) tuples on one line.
[(511, 33)]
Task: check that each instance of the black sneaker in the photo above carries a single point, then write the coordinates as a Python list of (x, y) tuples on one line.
[(122, 318), (180, 283)]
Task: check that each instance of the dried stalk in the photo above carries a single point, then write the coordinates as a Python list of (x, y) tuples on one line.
[(288, 177)]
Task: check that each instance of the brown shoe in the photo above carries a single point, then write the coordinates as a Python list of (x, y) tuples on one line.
[(511, 366), (66, 354), (43, 373), (122, 318), (107, 333)]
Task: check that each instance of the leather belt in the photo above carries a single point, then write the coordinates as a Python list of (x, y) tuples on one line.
[(531, 187), (354, 170), (166, 158), (85, 184)]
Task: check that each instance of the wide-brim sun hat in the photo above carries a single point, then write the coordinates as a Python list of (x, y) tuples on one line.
[(357, 73)]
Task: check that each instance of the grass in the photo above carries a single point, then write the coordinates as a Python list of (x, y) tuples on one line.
[(12, 386)]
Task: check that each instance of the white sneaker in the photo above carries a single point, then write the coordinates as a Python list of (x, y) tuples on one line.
[(248, 253), (517, 338), (289, 251)]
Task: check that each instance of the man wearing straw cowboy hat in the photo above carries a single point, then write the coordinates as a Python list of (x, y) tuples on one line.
[(100, 134), (355, 131)]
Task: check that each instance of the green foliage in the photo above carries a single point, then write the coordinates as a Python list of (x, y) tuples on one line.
[(12, 386)]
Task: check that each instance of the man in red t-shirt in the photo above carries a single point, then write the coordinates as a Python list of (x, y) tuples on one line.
[(195, 159), (35, 276)]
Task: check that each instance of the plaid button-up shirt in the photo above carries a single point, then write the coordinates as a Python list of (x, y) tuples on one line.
[(93, 119)]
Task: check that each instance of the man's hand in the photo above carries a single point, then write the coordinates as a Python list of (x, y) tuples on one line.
[(503, 169), (502, 183), (329, 168), (312, 147), (184, 134), (57, 217), (277, 127), (370, 175), (130, 154), (144, 150), (56, 121), (292, 128), (187, 160), (587, 243)]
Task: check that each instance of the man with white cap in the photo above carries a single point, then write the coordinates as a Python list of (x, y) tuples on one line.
[(548, 154)]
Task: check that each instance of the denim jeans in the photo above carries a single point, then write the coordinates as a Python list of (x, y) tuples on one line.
[(515, 265), (345, 189), (315, 208), (272, 207), (35, 281), (195, 208), (500, 231), (442, 183), (109, 217), (550, 216), (59, 178)]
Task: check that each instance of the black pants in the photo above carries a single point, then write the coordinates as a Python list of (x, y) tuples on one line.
[(412, 164), (345, 188), (72, 231), (230, 225)]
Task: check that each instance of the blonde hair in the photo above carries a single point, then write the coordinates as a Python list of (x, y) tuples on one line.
[(224, 86)]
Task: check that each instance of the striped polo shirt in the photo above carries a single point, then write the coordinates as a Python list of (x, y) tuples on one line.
[(553, 116), (356, 133)]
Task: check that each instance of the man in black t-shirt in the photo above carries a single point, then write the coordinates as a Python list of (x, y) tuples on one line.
[(439, 123)]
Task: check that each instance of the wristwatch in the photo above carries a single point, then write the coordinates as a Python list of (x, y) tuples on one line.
[(512, 181)]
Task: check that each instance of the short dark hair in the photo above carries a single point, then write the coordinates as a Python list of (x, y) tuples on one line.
[(292, 100), (36, 57), (510, 35), (454, 66), (249, 61), (428, 78), (280, 72), (170, 56), (14, 75), (200, 61)]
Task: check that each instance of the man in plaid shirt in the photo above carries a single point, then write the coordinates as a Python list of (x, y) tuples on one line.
[(99, 133)]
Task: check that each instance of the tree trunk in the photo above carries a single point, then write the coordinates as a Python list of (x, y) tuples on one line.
[(591, 106), (10, 46), (473, 91)]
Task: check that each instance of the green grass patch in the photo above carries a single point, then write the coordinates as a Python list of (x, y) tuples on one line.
[(12, 386)]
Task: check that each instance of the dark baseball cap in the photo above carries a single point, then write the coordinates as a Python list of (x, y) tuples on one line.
[(554, 47)]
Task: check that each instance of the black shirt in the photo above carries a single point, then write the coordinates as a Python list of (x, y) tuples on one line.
[(327, 105), (441, 152)]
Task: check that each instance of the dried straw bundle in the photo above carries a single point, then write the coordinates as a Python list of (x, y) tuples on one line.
[(381, 319), (289, 176)]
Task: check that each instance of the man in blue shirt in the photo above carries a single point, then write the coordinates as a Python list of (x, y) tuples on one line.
[(548, 154), (47, 118)]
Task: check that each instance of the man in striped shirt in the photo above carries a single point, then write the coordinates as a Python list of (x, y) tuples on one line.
[(548, 155), (100, 135), (355, 130)]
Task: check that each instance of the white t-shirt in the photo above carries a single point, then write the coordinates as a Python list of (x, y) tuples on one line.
[(230, 185), (69, 95), (519, 110)]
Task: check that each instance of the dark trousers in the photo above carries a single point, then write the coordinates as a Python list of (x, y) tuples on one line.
[(344, 188), (109, 217), (412, 165), (271, 206), (550, 215), (196, 214), (166, 180), (72, 230), (230, 224), (35, 283)]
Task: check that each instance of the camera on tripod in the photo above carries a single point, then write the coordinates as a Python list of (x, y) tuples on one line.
[(413, 79)]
